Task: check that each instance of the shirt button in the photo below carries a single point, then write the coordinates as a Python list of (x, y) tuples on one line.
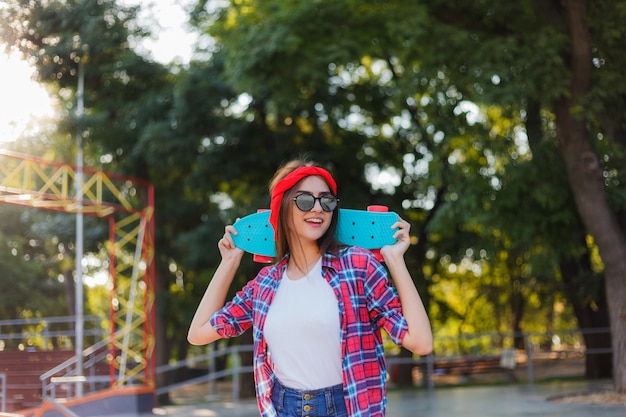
[(307, 408), (307, 397)]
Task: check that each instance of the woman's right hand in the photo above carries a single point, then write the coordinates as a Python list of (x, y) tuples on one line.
[(226, 245)]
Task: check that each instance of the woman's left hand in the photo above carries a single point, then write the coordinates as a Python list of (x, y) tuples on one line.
[(403, 240)]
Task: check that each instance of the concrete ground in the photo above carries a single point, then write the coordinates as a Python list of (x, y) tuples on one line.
[(520, 400)]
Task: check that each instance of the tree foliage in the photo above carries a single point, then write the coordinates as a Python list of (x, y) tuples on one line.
[(452, 113)]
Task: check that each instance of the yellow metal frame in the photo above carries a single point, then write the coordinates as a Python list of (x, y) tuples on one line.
[(128, 203)]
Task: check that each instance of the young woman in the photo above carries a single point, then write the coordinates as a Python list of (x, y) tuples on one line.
[(316, 314)]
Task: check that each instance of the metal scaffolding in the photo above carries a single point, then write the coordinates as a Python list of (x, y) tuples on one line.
[(128, 204)]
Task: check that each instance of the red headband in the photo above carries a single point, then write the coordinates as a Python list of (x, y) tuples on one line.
[(289, 181)]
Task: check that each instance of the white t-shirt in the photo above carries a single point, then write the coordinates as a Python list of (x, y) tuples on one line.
[(302, 331)]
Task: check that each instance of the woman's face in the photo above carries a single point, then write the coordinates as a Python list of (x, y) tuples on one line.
[(312, 224)]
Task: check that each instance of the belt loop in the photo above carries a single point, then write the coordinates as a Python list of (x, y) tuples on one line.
[(330, 403)]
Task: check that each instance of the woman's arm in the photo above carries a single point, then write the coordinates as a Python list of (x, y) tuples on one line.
[(200, 331), (419, 338)]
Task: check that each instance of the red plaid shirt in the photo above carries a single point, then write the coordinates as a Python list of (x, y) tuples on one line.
[(367, 303)]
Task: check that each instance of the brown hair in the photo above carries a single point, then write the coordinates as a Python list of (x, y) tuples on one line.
[(327, 243)]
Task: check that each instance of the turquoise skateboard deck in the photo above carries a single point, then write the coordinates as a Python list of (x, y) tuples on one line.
[(366, 229)]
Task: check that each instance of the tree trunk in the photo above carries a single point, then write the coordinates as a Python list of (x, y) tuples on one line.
[(587, 184), (70, 291), (517, 302), (576, 275), (70, 297)]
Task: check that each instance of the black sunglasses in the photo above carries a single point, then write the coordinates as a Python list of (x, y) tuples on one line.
[(306, 202)]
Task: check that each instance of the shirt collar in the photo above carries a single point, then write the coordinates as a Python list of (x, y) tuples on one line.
[(329, 260)]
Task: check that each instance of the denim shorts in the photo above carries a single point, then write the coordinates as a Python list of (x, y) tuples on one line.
[(323, 402)]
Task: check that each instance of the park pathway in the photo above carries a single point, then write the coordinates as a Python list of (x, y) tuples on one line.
[(479, 401)]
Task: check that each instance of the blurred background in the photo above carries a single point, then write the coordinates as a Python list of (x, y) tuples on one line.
[(497, 128)]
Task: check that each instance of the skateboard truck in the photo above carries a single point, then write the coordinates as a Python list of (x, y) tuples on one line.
[(378, 209), (263, 259)]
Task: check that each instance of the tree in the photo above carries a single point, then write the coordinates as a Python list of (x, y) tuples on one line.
[(123, 92), (564, 66), (418, 106), (485, 49), (28, 289), (586, 174)]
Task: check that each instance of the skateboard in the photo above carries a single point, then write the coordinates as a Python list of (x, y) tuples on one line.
[(369, 229)]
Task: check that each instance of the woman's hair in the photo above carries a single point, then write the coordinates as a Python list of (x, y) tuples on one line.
[(327, 243)]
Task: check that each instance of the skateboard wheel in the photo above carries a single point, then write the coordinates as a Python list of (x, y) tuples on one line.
[(262, 259)]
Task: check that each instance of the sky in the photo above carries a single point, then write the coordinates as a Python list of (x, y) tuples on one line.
[(171, 39), (21, 99), (23, 102)]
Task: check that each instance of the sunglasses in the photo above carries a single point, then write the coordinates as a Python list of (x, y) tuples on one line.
[(306, 202)]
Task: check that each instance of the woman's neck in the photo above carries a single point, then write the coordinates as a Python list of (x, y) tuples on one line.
[(302, 259)]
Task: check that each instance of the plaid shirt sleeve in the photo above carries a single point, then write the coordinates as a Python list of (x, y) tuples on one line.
[(384, 304), (368, 303), (249, 308), (236, 316)]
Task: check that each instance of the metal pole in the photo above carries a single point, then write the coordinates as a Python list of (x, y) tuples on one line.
[(430, 372), (3, 377), (212, 370), (529, 362), (78, 279), (131, 303)]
